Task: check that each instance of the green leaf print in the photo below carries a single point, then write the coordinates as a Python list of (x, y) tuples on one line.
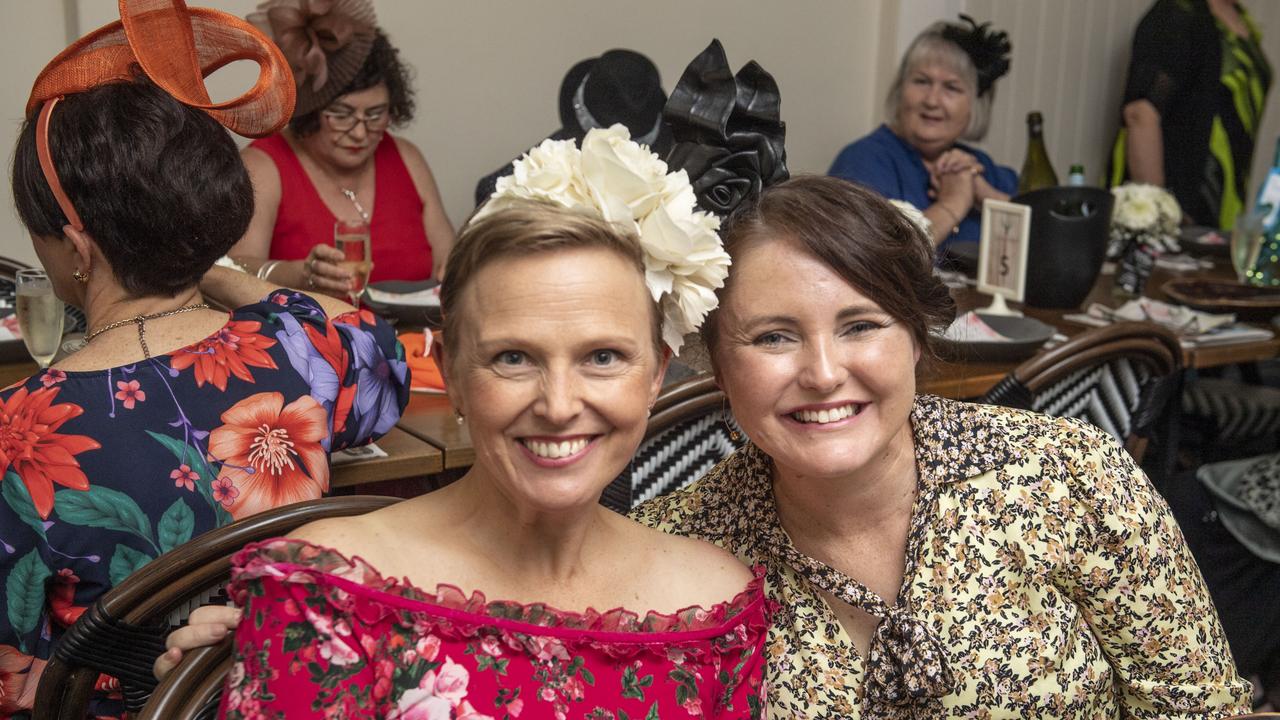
[(24, 591), (176, 525), (633, 685), (103, 507), (187, 455), (653, 713), (15, 493), (126, 561)]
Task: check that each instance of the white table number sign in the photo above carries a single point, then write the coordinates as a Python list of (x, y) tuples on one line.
[(1002, 252)]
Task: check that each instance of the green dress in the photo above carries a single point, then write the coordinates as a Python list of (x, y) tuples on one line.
[(1209, 86)]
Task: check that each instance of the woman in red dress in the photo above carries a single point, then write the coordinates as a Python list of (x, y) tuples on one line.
[(337, 160)]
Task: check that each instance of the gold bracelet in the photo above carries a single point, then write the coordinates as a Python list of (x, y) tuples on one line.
[(955, 227)]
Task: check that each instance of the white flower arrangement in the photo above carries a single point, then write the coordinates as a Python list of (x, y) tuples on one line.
[(913, 214), (1145, 214), (685, 262)]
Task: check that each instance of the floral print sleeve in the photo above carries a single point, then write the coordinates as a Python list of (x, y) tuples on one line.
[(102, 471), (325, 636), (1139, 589)]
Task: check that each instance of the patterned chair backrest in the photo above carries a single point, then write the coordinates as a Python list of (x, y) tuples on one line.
[(689, 432), (1120, 378)]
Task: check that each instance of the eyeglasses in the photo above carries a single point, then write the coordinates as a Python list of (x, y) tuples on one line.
[(345, 121)]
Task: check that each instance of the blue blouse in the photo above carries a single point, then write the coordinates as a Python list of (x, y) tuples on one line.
[(889, 165)]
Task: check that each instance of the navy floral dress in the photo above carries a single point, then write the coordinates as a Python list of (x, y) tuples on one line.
[(105, 470)]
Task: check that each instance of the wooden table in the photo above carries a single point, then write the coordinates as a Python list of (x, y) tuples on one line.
[(407, 457), (971, 379), (431, 418)]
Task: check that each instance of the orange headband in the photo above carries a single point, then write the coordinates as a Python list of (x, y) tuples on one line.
[(160, 37)]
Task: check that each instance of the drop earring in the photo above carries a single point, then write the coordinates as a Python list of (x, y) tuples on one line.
[(727, 418)]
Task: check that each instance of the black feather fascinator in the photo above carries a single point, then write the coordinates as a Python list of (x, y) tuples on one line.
[(989, 49), (728, 130)]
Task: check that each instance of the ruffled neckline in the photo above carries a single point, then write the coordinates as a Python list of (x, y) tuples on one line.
[(362, 589)]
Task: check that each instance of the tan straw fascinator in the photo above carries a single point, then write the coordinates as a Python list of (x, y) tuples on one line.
[(325, 41), (176, 47)]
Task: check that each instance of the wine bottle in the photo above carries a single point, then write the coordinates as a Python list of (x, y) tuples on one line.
[(1037, 171)]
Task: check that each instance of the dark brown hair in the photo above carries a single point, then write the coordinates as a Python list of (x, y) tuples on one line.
[(528, 227), (160, 185), (860, 236)]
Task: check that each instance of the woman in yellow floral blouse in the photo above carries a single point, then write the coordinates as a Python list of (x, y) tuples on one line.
[(933, 559)]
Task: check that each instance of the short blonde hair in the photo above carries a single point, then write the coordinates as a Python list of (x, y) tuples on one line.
[(931, 47), (529, 227)]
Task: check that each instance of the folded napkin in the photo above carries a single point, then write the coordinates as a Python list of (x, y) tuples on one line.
[(969, 328), (1178, 318), (9, 328), (425, 374), (429, 297)]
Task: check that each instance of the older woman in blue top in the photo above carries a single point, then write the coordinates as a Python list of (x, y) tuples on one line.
[(942, 93)]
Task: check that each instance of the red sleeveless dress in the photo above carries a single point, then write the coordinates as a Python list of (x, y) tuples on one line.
[(399, 240)]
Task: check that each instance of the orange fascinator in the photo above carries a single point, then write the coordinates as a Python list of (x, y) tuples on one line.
[(177, 48)]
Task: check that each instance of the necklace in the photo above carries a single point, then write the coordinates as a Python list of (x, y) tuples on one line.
[(348, 193), (351, 195), (141, 322)]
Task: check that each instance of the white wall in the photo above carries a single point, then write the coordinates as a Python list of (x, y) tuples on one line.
[(488, 71)]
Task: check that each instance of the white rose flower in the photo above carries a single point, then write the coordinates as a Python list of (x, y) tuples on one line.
[(685, 262), (624, 179), (1170, 212), (1138, 211), (913, 214), (684, 265)]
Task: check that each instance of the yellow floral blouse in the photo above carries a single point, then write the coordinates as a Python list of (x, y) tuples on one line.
[(1040, 557)]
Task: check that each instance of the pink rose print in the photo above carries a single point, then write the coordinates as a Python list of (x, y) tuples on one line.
[(450, 682), (52, 377), (185, 477), (130, 393), (224, 491), (515, 707), (545, 648), (421, 704), (428, 647), (693, 706), (490, 646)]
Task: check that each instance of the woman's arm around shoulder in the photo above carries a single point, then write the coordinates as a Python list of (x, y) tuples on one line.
[(297, 653), (1139, 589), (434, 219)]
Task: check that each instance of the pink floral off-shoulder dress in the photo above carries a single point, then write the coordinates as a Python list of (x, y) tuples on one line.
[(325, 636)]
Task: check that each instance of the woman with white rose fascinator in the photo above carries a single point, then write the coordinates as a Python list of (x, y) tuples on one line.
[(513, 592)]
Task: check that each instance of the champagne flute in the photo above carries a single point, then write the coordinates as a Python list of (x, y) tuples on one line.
[(40, 315), (352, 240), (1246, 241)]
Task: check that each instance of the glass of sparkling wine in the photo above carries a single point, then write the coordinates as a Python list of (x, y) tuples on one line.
[(352, 239), (40, 315)]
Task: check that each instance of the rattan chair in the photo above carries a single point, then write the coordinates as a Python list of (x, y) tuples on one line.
[(123, 632), (688, 433), (1121, 378)]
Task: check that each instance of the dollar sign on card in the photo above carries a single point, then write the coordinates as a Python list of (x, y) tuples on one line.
[(1004, 266)]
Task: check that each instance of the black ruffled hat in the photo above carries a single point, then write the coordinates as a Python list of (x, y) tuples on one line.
[(988, 49), (728, 130)]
